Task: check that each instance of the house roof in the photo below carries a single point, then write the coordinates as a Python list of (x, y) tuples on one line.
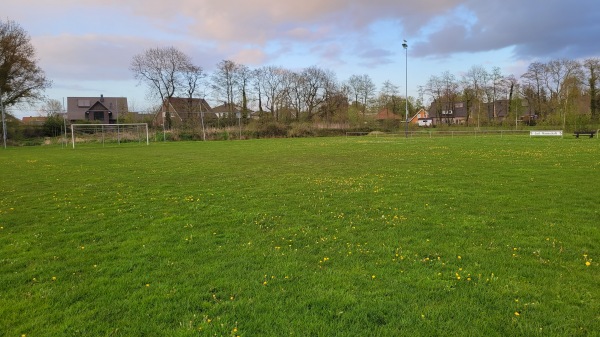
[(37, 120), (189, 105), (386, 114), (98, 107), (227, 107)]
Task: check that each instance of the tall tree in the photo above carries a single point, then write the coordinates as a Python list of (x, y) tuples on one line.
[(243, 77), (315, 81), (224, 81), (495, 88), (592, 67), (362, 89), (161, 69), (533, 87), (561, 76), (192, 76), (389, 97), (21, 79), (271, 84), (474, 80), (435, 89), (450, 90)]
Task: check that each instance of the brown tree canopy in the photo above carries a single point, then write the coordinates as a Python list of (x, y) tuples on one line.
[(21, 79)]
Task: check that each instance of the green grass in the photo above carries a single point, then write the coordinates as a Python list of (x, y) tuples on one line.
[(306, 237)]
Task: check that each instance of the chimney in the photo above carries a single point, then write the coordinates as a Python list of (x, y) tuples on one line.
[(101, 98)]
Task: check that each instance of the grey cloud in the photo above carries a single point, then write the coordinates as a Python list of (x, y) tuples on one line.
[(536, 29)]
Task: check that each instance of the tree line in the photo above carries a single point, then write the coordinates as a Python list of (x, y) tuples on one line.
[(549, 91)]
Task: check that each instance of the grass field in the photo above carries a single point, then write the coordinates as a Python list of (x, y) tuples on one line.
[(358, 236)]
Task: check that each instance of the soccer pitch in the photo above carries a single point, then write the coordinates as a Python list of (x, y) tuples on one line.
[(352, 236)]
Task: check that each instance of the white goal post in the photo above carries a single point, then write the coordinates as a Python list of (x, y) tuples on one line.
[(113, 133)]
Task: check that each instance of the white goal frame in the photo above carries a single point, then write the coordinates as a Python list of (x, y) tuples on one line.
[(109, 127)]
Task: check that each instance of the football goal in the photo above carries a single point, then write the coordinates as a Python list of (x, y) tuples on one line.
[(109, 133)]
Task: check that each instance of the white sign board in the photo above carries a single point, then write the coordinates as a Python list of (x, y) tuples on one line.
[(557, 133)]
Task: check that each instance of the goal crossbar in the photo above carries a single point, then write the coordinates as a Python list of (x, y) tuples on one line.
[(109, 127)]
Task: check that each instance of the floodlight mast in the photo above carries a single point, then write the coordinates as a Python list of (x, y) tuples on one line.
[(405, 46)]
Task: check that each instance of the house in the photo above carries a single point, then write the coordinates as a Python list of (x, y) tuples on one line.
[(421, 118), (448, 113), (497, 111), (183, 111), (104, 110)]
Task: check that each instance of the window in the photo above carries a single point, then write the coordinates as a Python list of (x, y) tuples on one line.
[(98, 115), (83, 103), (458, 105)]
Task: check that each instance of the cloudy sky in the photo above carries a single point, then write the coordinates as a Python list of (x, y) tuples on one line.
[(86, 46)]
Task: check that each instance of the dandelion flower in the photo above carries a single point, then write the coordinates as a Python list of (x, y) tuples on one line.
[(517, 313), (588, 263)]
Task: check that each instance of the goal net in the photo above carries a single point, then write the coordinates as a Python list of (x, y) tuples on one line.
[(108, 134)]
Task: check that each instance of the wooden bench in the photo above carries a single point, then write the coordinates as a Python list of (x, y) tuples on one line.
[(589, 133)]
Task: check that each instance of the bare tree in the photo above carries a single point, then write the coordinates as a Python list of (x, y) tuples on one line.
[(315, 81), (475, 81), (224, 81), (295, 93), (161, 69), (192, 77), (435, 89), (389, 96), (450, 92), (533, 86), (561, 75), (494, 89), (362, 90), (243, 78), (270, 81), (55, 123)]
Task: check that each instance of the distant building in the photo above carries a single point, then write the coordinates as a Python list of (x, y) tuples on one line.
[(183, 111), (34, 120), (104, 110), (225, 109), (421, 118)]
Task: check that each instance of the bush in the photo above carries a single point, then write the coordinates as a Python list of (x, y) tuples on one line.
[(267, 128), (301, 130)]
